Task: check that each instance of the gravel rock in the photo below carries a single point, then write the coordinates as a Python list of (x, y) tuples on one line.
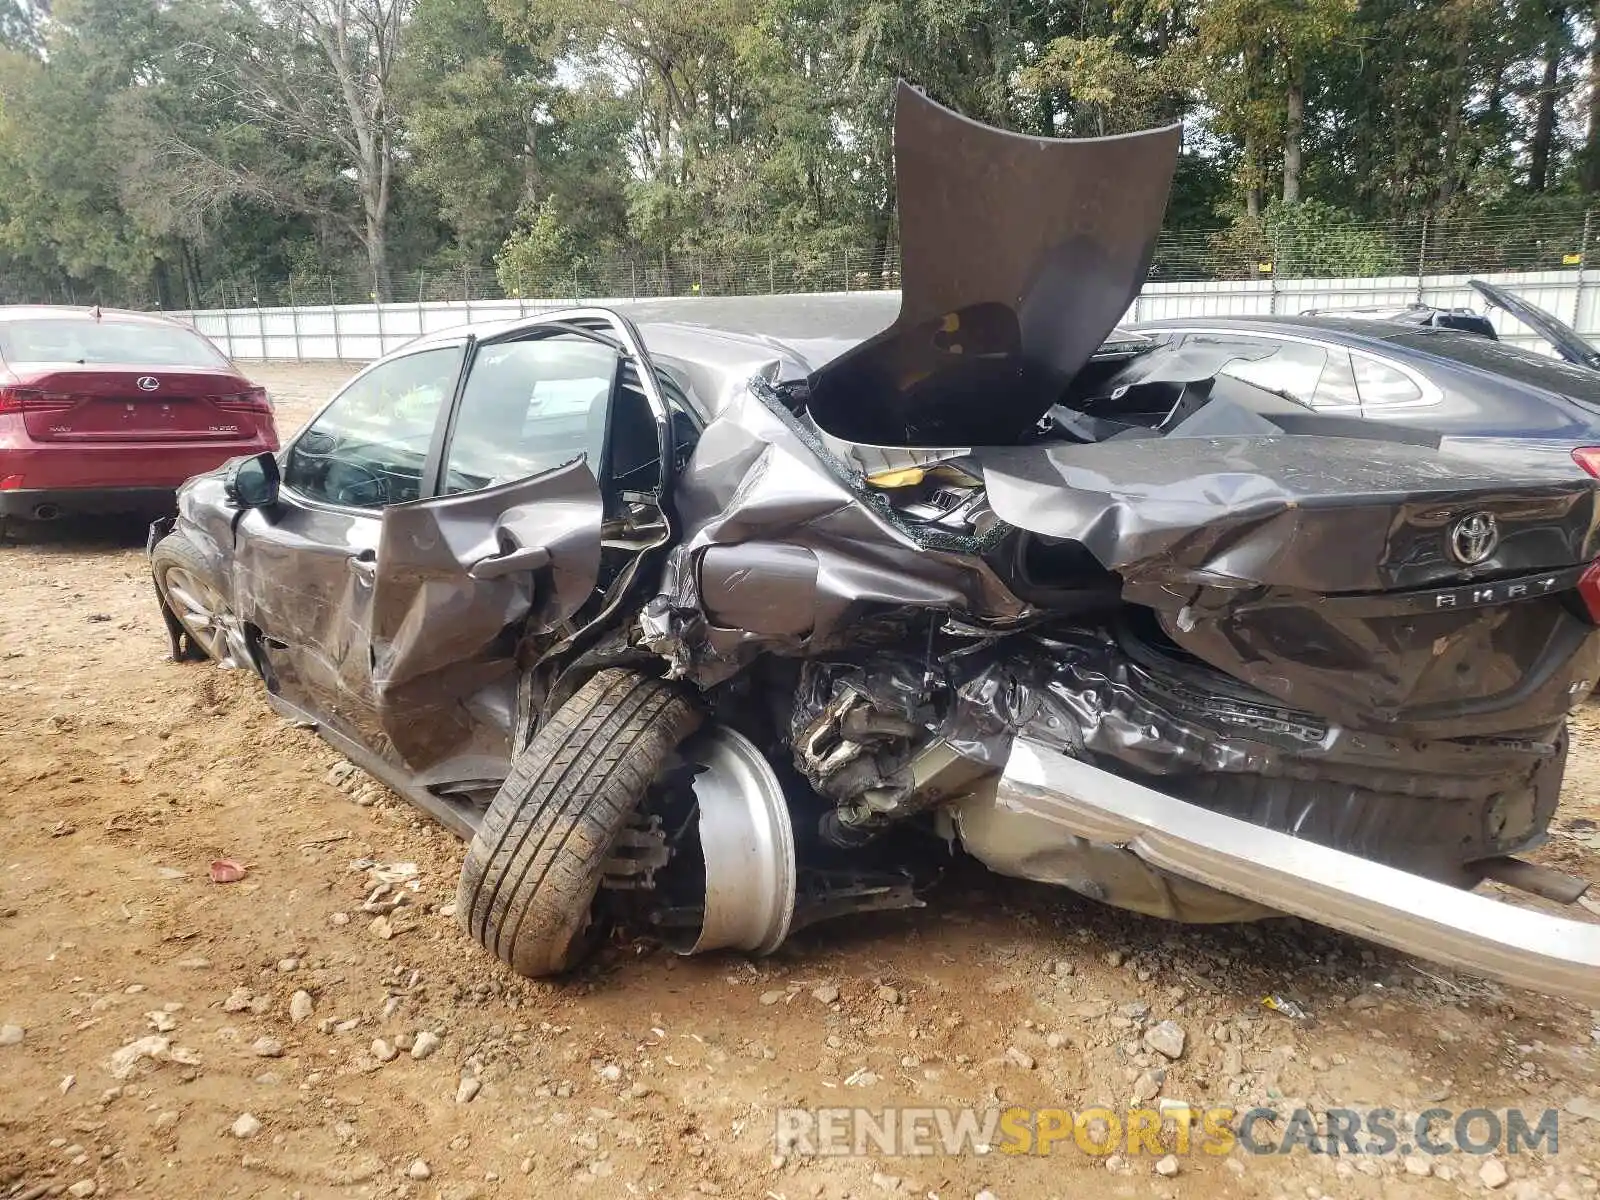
[(611, 1073), (1167, 1167), (1493, 1174), (384, 1051), (1148, 1086), (1585, 1107), (166, 1120), (427, 1042), (418, 1169), (1019, 1057), (300, 1007), (246, 1126), (468, 1088), (1417, 1164), (1166, 1039), (267, 1047), (83, 1189), (238, 1000), (10, 1035), (826, 994), (888, 995), (288, 964), (773, 996)]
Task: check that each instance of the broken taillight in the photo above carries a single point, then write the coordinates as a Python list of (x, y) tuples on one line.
[(254, 400)]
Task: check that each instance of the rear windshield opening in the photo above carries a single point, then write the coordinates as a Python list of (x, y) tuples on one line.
[(106, 341)]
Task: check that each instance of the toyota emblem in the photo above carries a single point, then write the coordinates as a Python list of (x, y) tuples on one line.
[(1474, 538), (147, 383)]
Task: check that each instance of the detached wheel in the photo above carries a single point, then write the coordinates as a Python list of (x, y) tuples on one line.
[(529, 880), (202, 613)]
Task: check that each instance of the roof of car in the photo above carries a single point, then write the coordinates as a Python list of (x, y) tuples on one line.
[(1365, 329), (36, 312)]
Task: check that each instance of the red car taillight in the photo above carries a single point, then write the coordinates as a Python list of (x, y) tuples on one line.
[(1588, 457), (254, 400), (17, 400), (1589, 590)]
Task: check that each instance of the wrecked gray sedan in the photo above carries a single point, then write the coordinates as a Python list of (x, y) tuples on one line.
[(707, 633)]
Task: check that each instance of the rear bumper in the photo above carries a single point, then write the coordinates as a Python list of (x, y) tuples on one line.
[(48, 503), (1332, 887)]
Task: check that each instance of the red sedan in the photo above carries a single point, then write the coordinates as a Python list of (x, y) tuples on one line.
[(104, 411)]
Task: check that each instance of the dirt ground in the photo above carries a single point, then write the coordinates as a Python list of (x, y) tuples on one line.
[(280, 1014)]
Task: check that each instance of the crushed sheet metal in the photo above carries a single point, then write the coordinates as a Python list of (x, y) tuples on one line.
[(1415, 915), (1267, 510)]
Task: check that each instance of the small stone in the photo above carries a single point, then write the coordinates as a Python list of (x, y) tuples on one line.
[(888, 995), (418, 1169), (1018, 1057), (1584, 1107), (1493, 1174), (1362, 1001), (383, 1051), (288, 964), (300, 1007), (1166, 1039), (83, 1188), (1115, 958), (339, 918), (826, 994), (267, 1047), (246, 1126), (468, 1088), (1167, 1167), (1148, 1086), (425, 1045), (774, 996), (611, 1073), (526, 1166), (1063, 968), (238, 1000), (166, 1120), (986, 1194), (11, 1035), (194, 964), (1417, 1164)]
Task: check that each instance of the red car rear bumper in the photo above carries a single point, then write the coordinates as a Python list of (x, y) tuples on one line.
[(104, 477)]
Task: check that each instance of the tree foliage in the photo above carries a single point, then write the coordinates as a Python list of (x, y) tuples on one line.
[(151, 148)]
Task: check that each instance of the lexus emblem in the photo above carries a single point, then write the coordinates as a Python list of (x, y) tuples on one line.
[(147, 383), (1474, 538)]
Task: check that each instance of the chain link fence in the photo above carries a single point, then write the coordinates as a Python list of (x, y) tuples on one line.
[(1294, 243)]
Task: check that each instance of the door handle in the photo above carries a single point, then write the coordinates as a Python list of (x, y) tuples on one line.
[(496, 566)]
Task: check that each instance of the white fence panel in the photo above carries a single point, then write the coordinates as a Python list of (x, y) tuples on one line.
[(359, 332)]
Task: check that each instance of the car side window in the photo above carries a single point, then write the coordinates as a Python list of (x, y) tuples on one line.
[(529, 407), (1291, 369), (367, 449), (1384, 386)]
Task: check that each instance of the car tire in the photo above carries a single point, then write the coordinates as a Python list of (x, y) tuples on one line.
[(528, 884), (177, 563)]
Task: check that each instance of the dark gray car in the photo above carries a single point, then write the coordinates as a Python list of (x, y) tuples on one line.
[(707, 631)]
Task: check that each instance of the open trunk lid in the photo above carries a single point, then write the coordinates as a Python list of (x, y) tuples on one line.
[(135, 404), (1378, 584), (1019, 256)]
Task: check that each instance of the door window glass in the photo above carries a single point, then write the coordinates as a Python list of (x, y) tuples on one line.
[(1290, 370), (529, 407), (1383, 386), (367, 449)]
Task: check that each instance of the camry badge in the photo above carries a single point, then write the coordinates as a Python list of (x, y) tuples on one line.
[(147, 383), (1474, 538)]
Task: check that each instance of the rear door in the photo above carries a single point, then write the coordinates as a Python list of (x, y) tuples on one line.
[(79, 379), (510, 545)]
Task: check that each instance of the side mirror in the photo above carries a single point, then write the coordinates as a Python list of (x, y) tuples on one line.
[(252, 482)]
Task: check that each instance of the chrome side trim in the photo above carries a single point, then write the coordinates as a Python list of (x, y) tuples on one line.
[(1381, 903)]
